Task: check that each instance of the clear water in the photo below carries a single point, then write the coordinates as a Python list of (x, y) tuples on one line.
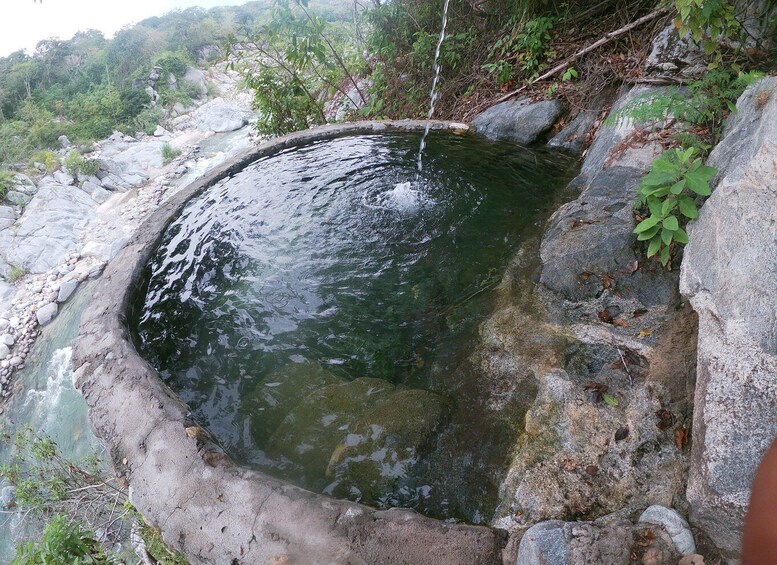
[(317, 311)]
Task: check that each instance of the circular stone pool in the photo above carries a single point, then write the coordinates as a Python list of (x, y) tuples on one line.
[(317, 311)]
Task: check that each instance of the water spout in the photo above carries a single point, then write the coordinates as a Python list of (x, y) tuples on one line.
[(435, 80)]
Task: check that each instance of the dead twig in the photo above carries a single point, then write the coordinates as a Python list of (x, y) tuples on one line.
[(607, 38)]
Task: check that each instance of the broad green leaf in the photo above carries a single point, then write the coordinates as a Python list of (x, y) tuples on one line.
[(654, 246), (680, 236), (688, 207), (706, 172), (645, 235), (666, 236), (646, 224), (668, 205), (610, 399), (659, 178), (670, 223), (665, 255), (698, 184), (654, 204), (678, 187)]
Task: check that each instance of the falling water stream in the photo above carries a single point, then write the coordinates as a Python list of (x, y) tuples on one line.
[(433, 92)]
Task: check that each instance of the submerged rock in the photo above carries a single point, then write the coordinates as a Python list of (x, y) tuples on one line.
[(279, 393), (519, 120), (729, 273)]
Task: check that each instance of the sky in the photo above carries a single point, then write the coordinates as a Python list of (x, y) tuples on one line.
[(25, 22)]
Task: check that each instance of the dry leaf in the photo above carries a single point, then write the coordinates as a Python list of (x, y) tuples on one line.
[(622, 433), (646, 332), (592, 470), (608, 281), (639, 312), (621, 323), (681, 438)]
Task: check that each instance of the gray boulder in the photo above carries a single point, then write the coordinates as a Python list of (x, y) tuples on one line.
[(518, 120), (46, 313), (218, 116), (66, 290), (18, 198), (728, 273), (197, 78), (573, 136), (64, 142), (49, 228)]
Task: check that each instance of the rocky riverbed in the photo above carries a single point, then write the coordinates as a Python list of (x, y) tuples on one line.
[(58, 230)]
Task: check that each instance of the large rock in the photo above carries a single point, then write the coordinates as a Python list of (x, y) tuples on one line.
[(612, 540), (218, 116), (518, 120), (49, 228), (197, 79), (729, 273)]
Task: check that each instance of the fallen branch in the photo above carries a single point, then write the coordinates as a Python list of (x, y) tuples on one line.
[(604, 40)]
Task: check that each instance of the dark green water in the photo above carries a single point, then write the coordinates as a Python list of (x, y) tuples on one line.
[(317, 310)]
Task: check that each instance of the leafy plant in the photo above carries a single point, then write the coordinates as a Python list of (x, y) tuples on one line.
[(570, 74), (527, 45), (169, 153), (6, 182), (15, 274), (705, 103), (62, 542), (47, 158), (669, 192), (706, 21), (75, 164)]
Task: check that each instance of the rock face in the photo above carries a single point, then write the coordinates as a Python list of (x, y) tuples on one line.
[(518, 120), (218, 115), (729, 273), (614, 326), (49, 228)]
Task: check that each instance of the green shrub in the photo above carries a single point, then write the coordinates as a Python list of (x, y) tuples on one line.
[(147, 120), (47, 158), (15, 274), (169, 153), (6, 182), (669, 192), (75, 164), (62, 542)]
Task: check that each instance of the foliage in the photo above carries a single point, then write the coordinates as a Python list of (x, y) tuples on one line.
[(706, 21), (62, 542), (156, 546), (15, 274), (293, 64), (669, 192), (46, 158), (147, 120), (75, 164), (169, 153), (528, 44), (6, 182), (48, 485), (705, 103)]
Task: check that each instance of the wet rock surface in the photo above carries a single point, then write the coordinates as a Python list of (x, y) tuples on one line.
[(519, 120), (613, 391), (728, 274)]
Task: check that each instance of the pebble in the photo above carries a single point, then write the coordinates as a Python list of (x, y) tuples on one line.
[(16, 361), (674, 524), (7, 339), (4, 351)]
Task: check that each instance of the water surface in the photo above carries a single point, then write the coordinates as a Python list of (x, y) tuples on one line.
[(317, 311)]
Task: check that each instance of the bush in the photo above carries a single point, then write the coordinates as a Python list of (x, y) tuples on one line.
[(169, 153), (62, 542), (47, 158), (669, 191), (6, 182), (75, 164)]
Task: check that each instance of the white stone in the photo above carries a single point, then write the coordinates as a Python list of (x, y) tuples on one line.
[(7, 339), (4, 351), (674, 525)]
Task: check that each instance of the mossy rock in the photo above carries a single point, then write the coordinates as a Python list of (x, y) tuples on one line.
[(278, 394), (375, 461), (310, 433)]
